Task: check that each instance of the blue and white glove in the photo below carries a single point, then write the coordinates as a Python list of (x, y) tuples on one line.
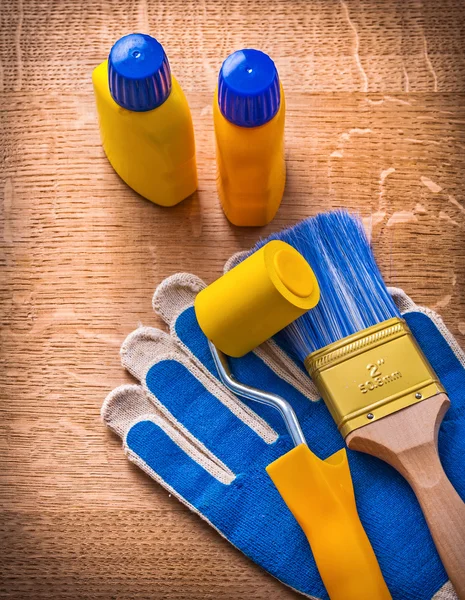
[(210, 449)]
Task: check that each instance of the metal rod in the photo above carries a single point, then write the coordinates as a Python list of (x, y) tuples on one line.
[(251, 393)]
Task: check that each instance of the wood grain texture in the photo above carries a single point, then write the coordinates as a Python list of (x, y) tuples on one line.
[(375, 122), (408, 441)]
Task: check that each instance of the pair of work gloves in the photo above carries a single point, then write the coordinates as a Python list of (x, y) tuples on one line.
[(210, 449)]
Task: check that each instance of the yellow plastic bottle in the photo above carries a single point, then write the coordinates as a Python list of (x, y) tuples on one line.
[(145, 121), (248, 113)]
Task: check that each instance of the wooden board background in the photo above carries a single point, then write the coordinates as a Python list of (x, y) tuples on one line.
[(375, 122)]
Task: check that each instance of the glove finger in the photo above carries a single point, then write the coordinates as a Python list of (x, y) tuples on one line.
[(406, 305), (147, 345), (281, 364), (249, 369), (175, 294), (124, 406), (173, 458), (196, 402), (234, 260), (162, 452), (403, 302)]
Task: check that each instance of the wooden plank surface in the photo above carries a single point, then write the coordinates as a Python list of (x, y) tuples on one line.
[(375, 122)]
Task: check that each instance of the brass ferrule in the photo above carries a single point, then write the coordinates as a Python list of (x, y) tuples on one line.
[(371, 374)]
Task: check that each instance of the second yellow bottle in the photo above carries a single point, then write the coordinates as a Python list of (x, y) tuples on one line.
[(248, 112)]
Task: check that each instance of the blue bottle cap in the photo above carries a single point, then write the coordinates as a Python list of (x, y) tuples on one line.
[(139, 73), (248, 88)]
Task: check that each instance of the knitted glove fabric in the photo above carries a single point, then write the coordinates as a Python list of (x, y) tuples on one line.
[(210, 449)]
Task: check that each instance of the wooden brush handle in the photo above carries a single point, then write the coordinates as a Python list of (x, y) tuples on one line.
[(407, 440)]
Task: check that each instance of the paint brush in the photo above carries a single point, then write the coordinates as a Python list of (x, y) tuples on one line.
[(379, 387)]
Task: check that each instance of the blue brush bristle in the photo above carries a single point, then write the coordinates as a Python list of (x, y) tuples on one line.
[(353, 293)]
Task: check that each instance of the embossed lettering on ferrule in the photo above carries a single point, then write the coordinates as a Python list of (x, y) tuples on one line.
[(377, 378)]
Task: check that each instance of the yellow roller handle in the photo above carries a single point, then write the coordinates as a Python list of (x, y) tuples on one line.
[(320, 495)]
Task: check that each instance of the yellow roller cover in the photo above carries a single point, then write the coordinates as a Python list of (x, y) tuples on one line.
[(259, 297)]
